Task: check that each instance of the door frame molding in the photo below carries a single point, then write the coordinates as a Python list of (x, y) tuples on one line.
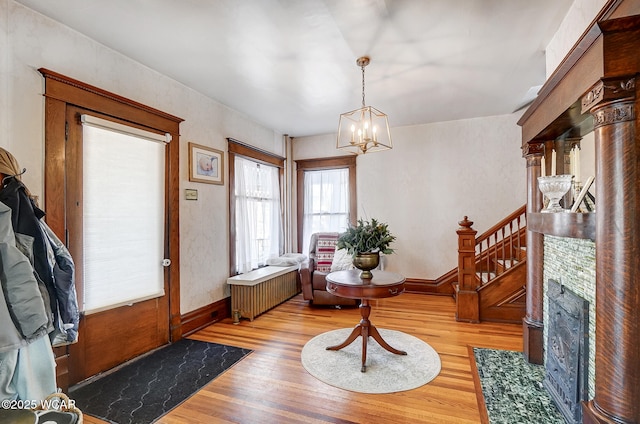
[(61, 92)]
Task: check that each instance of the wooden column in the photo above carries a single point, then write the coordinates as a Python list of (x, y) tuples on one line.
[(532, 323), (467, 301), (563, 149), (613, 104)]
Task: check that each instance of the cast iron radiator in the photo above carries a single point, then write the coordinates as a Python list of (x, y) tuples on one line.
[(258, 291)]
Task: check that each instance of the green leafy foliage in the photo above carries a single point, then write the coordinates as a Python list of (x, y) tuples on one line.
[(367, 236)]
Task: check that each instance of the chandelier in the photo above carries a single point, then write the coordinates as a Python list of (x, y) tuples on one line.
[(366, 129)]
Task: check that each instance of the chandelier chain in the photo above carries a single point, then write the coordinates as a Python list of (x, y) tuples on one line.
[(363, 104)]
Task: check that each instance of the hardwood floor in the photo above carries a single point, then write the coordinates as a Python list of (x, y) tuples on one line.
[(271, 386)]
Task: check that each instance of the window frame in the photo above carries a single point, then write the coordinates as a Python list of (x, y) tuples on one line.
[(238, 148), (320, 164)]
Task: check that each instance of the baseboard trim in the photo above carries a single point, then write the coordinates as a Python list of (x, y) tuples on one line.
[(204, 316), (421, 286), (62, 367), (209, 314)]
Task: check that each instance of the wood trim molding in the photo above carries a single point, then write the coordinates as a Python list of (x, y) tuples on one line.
[(532, 149), (582, 46), (243, 149), (62, 367), (205, 316), (326, 163), (482, 406), (68, 94), (574, 225), (62, 92), (235, 147), (439, 287), (318, 164)]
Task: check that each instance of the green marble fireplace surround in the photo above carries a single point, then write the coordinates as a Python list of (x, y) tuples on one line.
[(572, 263)]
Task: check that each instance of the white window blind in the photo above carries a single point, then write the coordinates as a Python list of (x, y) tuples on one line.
[(123, 214)]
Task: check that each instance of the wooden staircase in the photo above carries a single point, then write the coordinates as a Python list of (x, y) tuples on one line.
[(491, 273)]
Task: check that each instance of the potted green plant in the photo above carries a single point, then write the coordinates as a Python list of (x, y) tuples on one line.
[(364, 242)]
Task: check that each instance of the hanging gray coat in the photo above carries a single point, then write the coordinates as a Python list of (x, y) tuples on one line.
[(22, 309), (51, 261)]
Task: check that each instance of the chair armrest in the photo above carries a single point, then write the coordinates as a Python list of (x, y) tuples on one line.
[(306, 271)]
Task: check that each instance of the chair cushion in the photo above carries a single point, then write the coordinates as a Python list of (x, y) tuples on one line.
[(325, 249), (342, 260), (288, 259)]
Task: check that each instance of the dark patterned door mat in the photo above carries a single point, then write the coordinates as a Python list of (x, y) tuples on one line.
[(512, 389), (144, 389)]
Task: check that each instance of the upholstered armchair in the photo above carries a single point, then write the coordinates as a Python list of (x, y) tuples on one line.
[(314, 270)]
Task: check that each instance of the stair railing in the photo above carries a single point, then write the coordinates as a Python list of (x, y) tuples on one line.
[(500, 242), (477, 257)]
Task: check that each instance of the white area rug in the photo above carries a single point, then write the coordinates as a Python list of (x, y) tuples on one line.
[(386, 372)]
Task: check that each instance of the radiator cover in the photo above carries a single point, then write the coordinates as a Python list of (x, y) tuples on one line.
[(258, 291)]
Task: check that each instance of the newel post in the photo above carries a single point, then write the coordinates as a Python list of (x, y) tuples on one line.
[(467, 300)]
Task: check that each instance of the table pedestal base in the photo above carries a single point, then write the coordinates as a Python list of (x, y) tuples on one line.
[(366, 330)]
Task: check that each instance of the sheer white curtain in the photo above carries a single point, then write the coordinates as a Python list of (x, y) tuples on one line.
[(326, 203), (258, 214)]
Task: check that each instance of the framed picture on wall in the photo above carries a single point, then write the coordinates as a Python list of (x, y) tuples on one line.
[(206, 165)]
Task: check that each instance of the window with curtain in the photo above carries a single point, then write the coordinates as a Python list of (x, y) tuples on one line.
[(326, 202), (326, 196), (258, 213), (123, 218)]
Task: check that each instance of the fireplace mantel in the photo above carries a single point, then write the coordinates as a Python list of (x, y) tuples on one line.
[(569, 224), (595, 89)]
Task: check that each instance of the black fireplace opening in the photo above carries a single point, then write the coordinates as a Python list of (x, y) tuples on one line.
[(567, 350)]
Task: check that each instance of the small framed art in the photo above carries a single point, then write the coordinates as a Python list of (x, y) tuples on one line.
[(206, 165)]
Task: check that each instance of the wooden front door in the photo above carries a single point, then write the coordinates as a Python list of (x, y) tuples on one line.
[(108, 337), (112, 336)]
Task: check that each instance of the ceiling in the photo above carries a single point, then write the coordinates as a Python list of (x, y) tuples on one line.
[(291, 64)]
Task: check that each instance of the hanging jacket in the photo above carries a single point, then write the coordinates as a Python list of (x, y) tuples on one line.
[(51, 261), (63, 269), (22, 309)]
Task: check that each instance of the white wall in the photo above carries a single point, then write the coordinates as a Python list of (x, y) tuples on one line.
[(472, 167), (4, 75), (29, 41), (578, 18), (434, 176)]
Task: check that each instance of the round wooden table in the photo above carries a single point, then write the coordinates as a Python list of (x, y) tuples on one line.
[(349, 284)]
